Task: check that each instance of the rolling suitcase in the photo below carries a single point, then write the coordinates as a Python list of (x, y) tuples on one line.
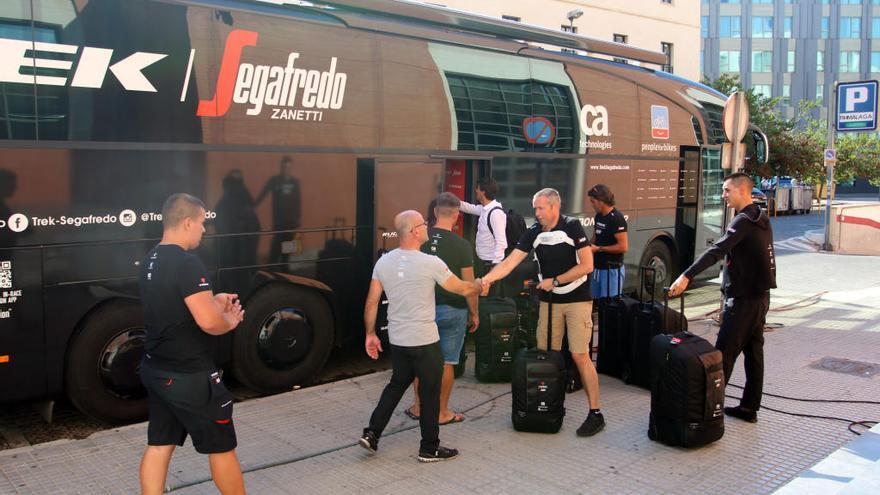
[(615, 318), (648, 320), (687, 391), (496, 339), (538, 387)]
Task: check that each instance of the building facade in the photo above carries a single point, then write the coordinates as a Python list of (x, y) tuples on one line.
[(658, 25), (795, 49)]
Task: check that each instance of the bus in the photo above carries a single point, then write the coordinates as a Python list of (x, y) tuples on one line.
[(305, 129)]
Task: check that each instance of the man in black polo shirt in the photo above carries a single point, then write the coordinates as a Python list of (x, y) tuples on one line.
[(564, 264), (749, 274), (610, 242), (183, 316)]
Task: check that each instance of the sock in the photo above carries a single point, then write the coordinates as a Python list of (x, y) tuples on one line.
[(594, 411)]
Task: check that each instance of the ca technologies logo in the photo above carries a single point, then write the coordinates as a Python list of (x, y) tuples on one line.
[(594, 123), (243, 83)]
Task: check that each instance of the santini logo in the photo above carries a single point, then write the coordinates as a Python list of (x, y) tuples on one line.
[(272, 85), (91, 69)]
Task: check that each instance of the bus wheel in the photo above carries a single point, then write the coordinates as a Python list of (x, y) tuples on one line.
[(102, 374), (657, 256), (284, 340)]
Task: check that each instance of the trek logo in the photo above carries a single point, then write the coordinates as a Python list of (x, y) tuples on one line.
[(91, 67), (272, 85), (594, 120)]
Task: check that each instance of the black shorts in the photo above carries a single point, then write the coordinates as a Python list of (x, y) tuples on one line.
[(197, 404)]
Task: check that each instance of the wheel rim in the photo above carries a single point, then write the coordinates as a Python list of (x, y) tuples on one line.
[(119, 364), (285, 338)]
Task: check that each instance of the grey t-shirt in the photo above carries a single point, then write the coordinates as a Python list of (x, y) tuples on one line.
[(408, 277)]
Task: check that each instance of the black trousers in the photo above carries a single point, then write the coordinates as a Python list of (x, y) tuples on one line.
[(422, 362), (742, 331)]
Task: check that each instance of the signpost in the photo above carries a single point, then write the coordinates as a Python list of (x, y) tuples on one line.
[(854, 109)]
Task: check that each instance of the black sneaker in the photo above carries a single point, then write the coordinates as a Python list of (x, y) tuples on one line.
[(743, 414), (369, 441), (592, 425), (441, 454)]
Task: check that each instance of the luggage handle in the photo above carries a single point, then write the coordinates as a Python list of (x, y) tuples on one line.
[(532, 285), (643, 270), (666, 307)]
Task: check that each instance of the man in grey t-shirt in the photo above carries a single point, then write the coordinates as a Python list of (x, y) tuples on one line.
[(408, 277)]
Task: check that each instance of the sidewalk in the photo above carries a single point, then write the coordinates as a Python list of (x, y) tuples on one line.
[(305, 441)]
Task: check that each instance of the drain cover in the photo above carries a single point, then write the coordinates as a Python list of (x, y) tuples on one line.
[(849, 367)]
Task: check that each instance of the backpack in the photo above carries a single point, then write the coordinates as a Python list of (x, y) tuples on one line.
[(515, 228)]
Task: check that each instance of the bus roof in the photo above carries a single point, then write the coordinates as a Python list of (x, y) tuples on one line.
[(416, 12)]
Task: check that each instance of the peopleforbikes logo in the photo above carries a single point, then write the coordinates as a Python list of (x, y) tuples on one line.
[(273, 85), (295, 93)]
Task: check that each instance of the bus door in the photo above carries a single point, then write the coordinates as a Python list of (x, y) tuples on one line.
[(700, 211)]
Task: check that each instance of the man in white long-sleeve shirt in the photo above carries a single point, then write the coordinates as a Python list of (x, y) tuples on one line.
[(491, 242)]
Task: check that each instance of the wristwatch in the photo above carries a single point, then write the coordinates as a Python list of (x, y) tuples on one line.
[(555, 282)]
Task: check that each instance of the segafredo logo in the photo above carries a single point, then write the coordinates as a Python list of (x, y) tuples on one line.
[(293, 92), (283, 87), (91, 68)]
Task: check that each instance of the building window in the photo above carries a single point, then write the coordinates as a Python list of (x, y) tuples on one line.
[(825, 28), (666, 48), (764, 90), (850, 27), (762, 27), (850, 2), (569, 29), (511, 18), (729, 1), (728, 61), (702, 63), (704, 26), (875, 61), (620, 38), (762, 1), (729, 27), (820, 92), (820, 61), (666, 1), (789, 67), (786, 94), (762, 61), (849, 61), (786, 27), (875, 27)]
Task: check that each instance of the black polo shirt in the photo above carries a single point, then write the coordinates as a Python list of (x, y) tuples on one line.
[(556, 252), (174, 341), (606, 227)]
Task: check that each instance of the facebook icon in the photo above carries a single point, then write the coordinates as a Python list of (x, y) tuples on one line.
[(857, 106)]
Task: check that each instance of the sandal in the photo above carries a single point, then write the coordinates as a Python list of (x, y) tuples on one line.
[(456, 418), (409, 412)]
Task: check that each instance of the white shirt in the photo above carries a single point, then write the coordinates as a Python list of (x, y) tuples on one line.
[(489, 248)]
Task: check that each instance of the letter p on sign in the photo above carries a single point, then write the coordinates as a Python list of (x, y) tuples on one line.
[(855, 95)]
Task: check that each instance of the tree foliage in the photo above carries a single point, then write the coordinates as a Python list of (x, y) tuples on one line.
[(797, 144)]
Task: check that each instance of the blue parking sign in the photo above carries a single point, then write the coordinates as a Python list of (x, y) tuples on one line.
[(857, 106)]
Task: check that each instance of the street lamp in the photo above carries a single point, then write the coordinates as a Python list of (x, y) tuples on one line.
[(572, 15)]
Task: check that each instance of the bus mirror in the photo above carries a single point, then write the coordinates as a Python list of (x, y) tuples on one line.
[(762, 147)]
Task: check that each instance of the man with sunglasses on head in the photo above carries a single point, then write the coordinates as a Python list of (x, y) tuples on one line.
[(408, 276)]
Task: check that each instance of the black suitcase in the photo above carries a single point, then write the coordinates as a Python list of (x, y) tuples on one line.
[(496, 339), (687, 391), (615, 318), (649, 319), (538, 387)]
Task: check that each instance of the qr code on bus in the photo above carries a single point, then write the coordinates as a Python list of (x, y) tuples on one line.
[(5, 274)]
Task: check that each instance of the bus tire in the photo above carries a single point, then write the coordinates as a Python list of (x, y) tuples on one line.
[(102, 376), (659, 256), (285, 339)]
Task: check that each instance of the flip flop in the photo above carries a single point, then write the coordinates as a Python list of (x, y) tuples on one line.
[(456, 418), (411, 414)]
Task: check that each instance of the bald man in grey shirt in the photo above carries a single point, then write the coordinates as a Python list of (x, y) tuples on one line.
[(408, 277)]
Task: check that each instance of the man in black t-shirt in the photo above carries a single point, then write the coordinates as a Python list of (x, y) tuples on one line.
[(185, 388), (610, 242), (564, 264)]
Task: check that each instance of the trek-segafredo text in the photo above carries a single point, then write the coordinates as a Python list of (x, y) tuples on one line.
[(286, 91), (19, 222)]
